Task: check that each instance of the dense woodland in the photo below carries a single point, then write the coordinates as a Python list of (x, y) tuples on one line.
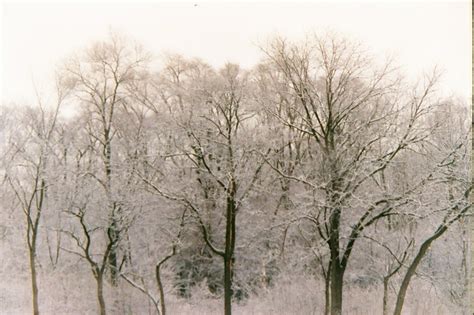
[(321, 181)]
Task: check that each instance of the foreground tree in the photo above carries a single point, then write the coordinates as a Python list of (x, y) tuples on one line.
[(357, 118)]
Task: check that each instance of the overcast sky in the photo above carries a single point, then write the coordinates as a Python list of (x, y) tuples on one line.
[(36, 37)]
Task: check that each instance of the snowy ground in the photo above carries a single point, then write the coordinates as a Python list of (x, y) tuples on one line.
[(298, 296)]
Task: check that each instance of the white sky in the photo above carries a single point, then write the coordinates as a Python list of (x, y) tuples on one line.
[(37, 36)]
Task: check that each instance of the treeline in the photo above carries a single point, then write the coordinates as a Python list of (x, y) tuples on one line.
[(318, 161)]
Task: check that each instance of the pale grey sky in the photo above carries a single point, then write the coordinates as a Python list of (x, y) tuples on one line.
[(37, 36)]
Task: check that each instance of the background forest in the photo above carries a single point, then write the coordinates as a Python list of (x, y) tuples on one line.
[(321, 181)]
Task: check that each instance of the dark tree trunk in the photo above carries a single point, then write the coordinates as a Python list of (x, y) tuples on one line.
[(34, 284), (412, 268), (229, 250), (336, 270), (385, 296), (100, 293), (227, 286), (113, 227), (113, 261), (337, 276)]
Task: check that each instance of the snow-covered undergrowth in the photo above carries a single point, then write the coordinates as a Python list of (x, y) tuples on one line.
[(74, 293)]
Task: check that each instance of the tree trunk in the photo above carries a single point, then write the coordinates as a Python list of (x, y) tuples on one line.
[(385, 296), (227, 286), (160, 289), (34, 284), (337, 276), (327, 292), (229, 251), (113, 227), (113, 251), (337, 263), (336, 270), (412, 268), (33, 231), (100, 293)]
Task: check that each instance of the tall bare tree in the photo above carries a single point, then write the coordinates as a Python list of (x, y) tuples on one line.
[(216, 126), (101, 77), (29, 156), (451, 187), (358, 119)]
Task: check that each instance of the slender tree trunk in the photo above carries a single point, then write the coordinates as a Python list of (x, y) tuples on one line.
[(385, 296), (113, 252), (159, 283), (327, 290), (100, 293), (33, 231), (227, 286), (412, 268), (160, 289), (114, 233), (34, 284)]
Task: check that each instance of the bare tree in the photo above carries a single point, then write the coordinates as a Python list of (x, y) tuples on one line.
[(28, 161), (318, 163), (90, 236), (215, 153), (450, 173), (358, 120), (84, 244), (100, 79)]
